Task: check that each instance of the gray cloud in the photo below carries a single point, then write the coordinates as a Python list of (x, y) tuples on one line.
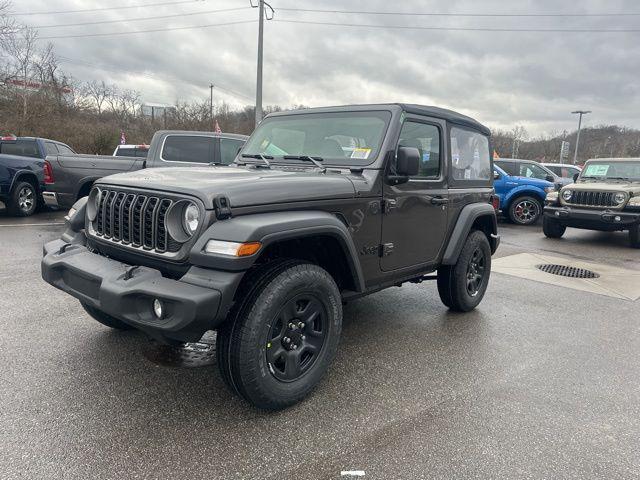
[(501, 78)]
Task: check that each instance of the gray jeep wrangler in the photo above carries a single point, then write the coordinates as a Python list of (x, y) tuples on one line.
[(321, 206)]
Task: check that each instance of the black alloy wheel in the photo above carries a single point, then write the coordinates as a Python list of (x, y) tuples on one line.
[(475, 272), (296, 337)]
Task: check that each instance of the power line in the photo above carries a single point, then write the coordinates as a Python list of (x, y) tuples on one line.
[(167, 29), (431, 14), (467, 29), (159, 17), (64, 59), (144, 5)]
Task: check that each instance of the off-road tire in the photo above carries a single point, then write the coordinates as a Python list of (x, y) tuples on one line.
[(452, 279), (518, 218), (106, 320), (634, 236), (552, 228), (242, 341), (17, 206)]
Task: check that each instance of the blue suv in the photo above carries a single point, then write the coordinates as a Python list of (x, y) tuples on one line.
[(522, 191)]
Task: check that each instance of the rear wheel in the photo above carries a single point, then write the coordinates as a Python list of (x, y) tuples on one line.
[(462, 286), (106, 320), (525, 210), (23, 200), (280, 339), (552, 228), (634, 236)]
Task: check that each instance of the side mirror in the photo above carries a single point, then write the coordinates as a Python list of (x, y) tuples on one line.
[(496, 176), (408, 161), (575, 177), (550, 178)]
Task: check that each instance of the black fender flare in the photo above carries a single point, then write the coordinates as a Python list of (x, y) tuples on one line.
[(268, 228), (468, 215)]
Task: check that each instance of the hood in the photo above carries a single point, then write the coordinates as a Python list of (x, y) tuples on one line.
[(242, 186), (629, 187), (536, 182)]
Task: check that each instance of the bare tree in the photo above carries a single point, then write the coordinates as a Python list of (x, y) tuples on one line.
[(98, 93)]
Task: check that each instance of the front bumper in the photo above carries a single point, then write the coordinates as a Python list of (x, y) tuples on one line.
[(607, 220), (194, 304)]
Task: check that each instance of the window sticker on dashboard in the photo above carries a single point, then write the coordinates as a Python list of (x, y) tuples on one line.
[(596, 170), (361, 153)]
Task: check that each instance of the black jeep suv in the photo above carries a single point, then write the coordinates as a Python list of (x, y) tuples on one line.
[(321, 206)]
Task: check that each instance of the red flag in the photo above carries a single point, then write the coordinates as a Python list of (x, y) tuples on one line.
[(217, 128)]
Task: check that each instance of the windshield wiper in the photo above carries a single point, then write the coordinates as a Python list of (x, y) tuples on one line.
[(259, 156), (315, 160), (618, 178)]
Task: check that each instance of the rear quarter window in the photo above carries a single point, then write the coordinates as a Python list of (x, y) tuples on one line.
[(23, 148), (470, 157)]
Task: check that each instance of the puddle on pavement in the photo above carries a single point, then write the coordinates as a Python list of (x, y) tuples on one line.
[(189, 355)]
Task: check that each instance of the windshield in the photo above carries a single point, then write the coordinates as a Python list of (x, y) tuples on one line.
[(338, 137), (628, 170)]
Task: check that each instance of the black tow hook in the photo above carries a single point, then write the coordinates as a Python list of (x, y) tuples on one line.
[(129, 273), (64, 248)]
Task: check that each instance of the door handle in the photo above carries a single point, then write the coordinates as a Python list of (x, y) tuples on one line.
[(439, 201)]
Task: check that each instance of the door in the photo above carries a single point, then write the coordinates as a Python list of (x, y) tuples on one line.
[(414, 222)]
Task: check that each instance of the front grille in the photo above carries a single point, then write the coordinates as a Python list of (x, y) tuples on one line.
[(136, 220), (593, 199)]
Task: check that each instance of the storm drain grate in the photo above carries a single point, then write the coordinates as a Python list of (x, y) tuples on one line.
[(567, 271)]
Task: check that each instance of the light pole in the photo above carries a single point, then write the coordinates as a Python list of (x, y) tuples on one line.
[(580, 112), (261, 13)]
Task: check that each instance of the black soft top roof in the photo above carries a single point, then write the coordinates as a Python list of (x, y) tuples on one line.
[(448, 115)]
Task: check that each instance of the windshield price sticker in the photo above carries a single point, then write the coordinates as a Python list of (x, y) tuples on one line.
[(596, 170), (361, 153)]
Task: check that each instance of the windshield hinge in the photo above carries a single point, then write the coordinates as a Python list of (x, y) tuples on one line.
[(222, 207)]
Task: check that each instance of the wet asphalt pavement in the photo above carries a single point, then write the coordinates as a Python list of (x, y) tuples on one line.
[(538, 382)]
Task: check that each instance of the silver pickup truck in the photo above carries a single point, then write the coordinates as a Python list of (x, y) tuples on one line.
[(73, 175)]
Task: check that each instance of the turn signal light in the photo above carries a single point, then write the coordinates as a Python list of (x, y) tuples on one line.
[(233, 249)]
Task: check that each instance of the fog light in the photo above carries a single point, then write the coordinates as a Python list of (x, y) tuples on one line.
[(158, 308), (617, 218)]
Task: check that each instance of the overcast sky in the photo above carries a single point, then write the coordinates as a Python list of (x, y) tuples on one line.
[(500, 78)]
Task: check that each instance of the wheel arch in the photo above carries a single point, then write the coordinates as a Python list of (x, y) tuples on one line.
[(525, 191), (26, 176), (317, 236), (476, 216)]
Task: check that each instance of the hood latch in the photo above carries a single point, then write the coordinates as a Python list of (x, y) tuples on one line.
[(222, 207)]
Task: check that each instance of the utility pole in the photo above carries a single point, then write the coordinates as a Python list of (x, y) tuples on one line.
[(579, 112), (261, 13), (211, 103)]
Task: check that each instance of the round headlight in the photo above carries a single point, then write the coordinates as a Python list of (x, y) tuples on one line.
[(567, 194), (619, 198), (191, 218), (92, 204)]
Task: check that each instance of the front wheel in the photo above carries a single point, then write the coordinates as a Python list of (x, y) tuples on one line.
[(551, 228), (462, 286), (525, 210), (282, 336)]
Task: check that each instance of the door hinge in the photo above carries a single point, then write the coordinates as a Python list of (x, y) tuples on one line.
[(386, 249), (388, 205)]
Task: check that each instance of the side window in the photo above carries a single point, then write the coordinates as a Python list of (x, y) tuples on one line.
[(426, 138), (229, 149), (51, 148), (530, 170), (470, 158), (64, 150), (508, 167), (188, 148)]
